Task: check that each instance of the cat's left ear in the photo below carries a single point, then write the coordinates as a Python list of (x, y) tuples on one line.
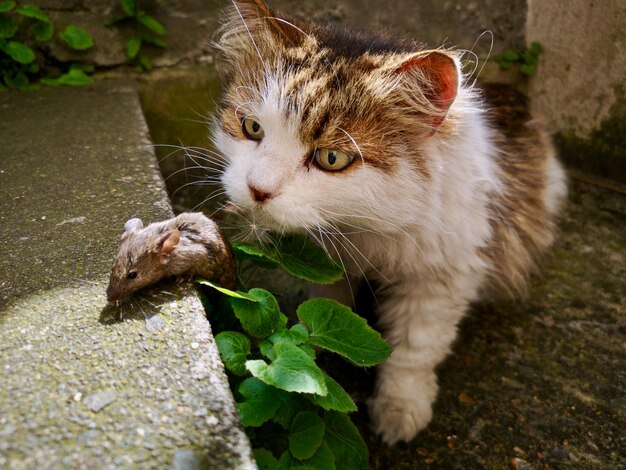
[(259, 18), (428, 83)]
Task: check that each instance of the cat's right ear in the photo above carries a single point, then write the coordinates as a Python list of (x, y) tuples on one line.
[(426, 82)]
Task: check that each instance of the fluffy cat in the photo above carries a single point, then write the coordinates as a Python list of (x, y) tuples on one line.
[(380, 150)]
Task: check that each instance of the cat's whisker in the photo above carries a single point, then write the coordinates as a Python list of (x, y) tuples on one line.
[(487, 32), (186, 169), (391, 224), (194, 183), (364, 277), (250, 35), (193, 153), (354, 143), (339, 235), (289, 24), (213, 195), (343, 265)]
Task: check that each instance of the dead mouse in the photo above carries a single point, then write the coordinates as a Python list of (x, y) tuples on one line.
[(189, 244)]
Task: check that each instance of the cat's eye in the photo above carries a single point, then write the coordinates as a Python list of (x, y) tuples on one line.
[(252, 129), (132, 275), (332, 160)]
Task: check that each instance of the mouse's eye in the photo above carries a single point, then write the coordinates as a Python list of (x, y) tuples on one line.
[(132, 275)]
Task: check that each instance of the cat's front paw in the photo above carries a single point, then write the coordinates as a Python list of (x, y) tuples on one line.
[(399, 419)]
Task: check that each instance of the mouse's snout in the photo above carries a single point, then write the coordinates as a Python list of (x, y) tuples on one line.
[(115, 293)]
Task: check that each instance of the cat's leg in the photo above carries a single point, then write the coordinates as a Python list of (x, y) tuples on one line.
[(420, 322)]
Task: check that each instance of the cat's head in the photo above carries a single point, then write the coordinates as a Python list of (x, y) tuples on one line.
[(323, 126)]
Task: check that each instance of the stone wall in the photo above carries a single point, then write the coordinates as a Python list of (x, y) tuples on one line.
[(580, 85)]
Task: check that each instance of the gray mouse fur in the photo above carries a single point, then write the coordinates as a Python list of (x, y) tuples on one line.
[(189, 244)]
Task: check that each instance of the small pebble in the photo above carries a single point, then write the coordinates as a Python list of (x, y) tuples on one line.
[(98, 401), (185, 460), (558, 454), (520, 464), (195, 345), (155, 323)]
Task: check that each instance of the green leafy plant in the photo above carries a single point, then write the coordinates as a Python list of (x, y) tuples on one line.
[(22, 31), (279, 388), (147, 31), (526, 58)]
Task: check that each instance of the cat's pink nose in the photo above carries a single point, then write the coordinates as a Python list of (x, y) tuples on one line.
[(258, 195)]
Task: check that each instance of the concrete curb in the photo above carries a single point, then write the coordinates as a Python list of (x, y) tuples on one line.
[(80, 387)]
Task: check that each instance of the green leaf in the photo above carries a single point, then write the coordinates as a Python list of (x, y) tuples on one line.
[(505, 64), (337, 398), (335, 327), (299, 331), (293, 371), (19, 52), (33, 68), (147, 38), (287, 336), (245, 251), (42, 31), (528, 69), (87, 68), (286, 461), (6, 6), (234, 349), (260, 402), (150, 23), (305, 435), (304, 259), (128, 7), (144, 62), (77, 38), (345, 442), (267, 349), (535, 48), (75, 77), (8, 27), (265, 460), (290, 405), (294, 336), (132, 47), (323, 458), (32, 11), (50, 81), (3, 88), (259, 318), (19, 81), (530, 58), (228, 292), (510, 55), (307, 348)]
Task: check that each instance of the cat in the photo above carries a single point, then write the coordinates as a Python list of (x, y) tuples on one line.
[(385, 153)]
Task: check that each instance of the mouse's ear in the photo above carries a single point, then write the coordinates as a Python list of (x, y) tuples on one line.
[(168, 243), (132, 224)]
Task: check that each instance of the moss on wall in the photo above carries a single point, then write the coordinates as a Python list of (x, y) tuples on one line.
[(603, 151)]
